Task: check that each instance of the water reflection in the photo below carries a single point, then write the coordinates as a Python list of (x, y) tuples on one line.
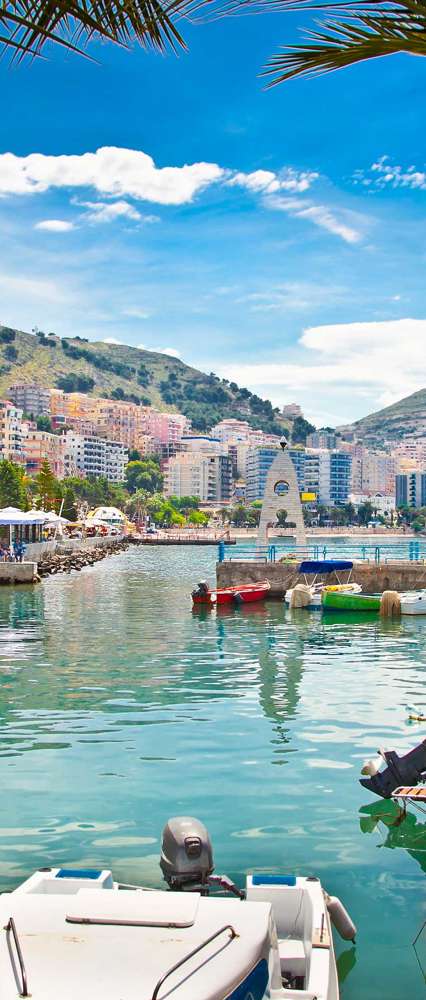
[(404, 830)]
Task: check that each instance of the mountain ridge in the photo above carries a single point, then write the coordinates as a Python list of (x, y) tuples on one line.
[(405, 418), (120, 371)]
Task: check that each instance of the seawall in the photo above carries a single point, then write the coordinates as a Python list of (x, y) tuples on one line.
[(374, 578)]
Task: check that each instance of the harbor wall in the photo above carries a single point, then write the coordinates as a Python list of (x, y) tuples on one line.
[(374, 578), (11, 573)]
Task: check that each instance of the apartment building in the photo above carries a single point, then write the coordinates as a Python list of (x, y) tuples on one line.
[(12, 432), (40, 446), (410, 489), (204, 475), (92, 456), (32, 399)]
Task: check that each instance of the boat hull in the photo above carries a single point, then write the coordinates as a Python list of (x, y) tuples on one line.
[(413, 604), (246, 594), (335, 600)]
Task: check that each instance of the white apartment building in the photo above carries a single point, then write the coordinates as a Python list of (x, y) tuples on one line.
[(92, 456), (12, 432), (383, 504)]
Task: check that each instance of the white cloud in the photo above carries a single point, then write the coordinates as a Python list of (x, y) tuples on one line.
[(346, 368), (111, 170), (320, 215), (104, 211), (142, 347), (111, 340), (383, 174), (269, 183), (293, 295), (55, 225)]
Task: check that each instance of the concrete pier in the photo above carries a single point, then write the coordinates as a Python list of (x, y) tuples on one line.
[(11, 573), (374, 578)]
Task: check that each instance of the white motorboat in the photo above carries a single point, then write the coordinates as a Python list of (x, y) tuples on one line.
[(76, 933), (414, 603)]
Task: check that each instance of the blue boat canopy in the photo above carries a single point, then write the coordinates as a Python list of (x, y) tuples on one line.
[(324, 565)]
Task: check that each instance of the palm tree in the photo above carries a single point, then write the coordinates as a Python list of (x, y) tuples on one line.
[(355, 31)]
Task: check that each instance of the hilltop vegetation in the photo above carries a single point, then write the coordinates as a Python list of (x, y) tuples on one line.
[(121, 372), (406, 418)]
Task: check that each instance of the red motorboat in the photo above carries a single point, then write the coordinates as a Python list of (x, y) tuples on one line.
[(244, 594)]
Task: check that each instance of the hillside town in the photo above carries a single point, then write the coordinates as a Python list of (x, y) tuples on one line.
[(89, 437)]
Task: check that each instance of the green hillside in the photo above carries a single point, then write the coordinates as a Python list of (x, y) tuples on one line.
[(121, 372), (406, 418)]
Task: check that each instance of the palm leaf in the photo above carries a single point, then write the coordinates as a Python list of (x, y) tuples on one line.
[(366, 31)]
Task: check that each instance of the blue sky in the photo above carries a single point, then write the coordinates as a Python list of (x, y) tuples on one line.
[(288, 254)]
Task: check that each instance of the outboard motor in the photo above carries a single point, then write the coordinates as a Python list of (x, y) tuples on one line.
[(186, 853)]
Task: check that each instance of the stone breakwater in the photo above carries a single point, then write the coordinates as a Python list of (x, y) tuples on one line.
[(64, 562)]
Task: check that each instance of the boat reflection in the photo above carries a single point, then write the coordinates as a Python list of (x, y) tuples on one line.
[(404, 829)]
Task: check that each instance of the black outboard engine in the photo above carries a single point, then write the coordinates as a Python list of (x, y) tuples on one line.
[(406, 770), (186, 853)]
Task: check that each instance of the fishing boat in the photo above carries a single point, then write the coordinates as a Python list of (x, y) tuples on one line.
[(245, 593), (68, 932), (314, 589), (409, 769), (336, 600)]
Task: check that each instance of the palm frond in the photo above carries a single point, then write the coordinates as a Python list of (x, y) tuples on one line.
[(355, 32)]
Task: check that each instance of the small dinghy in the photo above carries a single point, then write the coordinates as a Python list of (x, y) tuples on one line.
[(68, 933), (406, 770), (244, 594)]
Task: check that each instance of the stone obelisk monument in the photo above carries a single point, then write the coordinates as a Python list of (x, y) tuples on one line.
[(281, 492)]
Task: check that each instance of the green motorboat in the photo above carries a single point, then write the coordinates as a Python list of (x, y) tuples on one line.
[(335, 600)]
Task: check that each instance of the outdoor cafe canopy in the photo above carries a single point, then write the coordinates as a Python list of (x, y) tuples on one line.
[(14, 516)]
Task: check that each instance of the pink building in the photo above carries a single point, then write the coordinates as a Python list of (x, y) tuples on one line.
[(165, 428)]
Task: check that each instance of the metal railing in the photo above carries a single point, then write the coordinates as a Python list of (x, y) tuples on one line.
[(11, 928), (227, 927), (412, 551)]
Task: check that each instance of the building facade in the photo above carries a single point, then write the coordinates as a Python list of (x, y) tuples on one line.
[(410, 490), (40, 446), (32, 399), (206, 476), (93, 456), (12, 432)]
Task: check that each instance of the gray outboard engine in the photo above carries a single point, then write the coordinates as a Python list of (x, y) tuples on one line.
[(186, 853)]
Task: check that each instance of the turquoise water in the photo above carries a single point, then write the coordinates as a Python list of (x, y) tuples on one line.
[(120, 707)]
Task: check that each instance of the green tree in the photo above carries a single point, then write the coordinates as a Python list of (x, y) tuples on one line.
[(12, 488), (49, 487), (44, 424), (198, 517), (69, 509), (300, 430), (144, 475), (365, 512)]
